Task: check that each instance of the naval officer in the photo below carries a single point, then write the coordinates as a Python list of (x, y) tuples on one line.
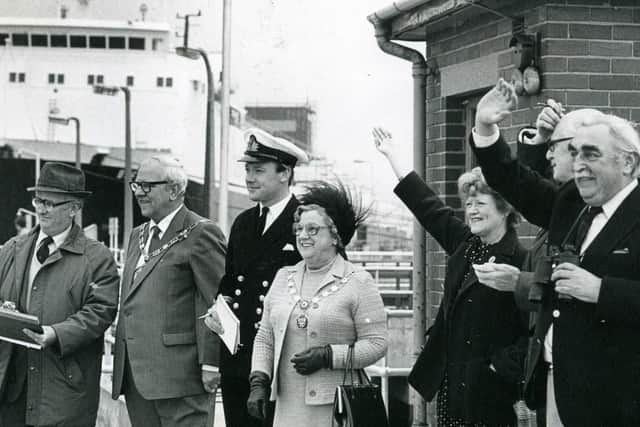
[(261, 241)]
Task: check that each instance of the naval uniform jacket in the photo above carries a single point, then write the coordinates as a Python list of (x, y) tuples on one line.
[(596, 350), (476, 326), (75, 292), (252, 263)]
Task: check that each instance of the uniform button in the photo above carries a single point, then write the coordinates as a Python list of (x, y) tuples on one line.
[(256, 325), (241, 278), (261, 297), (468, 342), (236, 305), (265, 283), (470, 300), (35, 288), (463, 385), (238, 292), (313, 334), (312, 393), (70, 377), (556, 313), (603, 321), (258, 310), (32, 368)]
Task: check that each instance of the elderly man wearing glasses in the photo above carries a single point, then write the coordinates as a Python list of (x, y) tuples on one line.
[(166, 359), (70, 283)]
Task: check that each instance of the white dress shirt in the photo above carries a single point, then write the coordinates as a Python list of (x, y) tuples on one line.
[(275, 210)]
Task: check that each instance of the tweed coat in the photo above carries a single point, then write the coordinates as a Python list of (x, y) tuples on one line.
[(476, 326), (158, 327), (596, 351), (251, 265), (352, 314), (76, 292)]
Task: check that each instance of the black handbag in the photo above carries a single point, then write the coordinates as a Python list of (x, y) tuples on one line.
[(359, 403)]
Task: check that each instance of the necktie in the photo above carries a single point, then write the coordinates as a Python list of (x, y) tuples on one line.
[(584, 224), (155, 238), (43, 250), (262, 221)]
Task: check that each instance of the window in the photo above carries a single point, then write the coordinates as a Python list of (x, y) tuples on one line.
[(168, 82), (160, 81), (60, 79), (3, 39), (77, 41), (93, 79), (20, 39), (116, 42), (39, 40), (58, 40), (157, 43), (12, 77), (136, 43), (100, 79), (51, 78), (21, 77), (129, 80), (97, 42)]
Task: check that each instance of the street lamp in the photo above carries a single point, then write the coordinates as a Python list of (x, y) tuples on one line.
[(65, 122), (209, 153), (128, 204)]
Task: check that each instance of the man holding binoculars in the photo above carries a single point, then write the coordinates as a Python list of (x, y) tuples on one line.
[(584, 364)]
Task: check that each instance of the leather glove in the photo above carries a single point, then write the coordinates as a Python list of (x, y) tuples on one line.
[(259, 386), (313, 359)]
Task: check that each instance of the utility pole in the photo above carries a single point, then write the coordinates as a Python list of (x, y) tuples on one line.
[(223, 200)]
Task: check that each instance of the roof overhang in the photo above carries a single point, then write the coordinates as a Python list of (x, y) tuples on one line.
[(53, 24), (413, 20)]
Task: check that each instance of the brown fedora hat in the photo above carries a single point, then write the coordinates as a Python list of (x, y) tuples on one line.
[(61, 178)]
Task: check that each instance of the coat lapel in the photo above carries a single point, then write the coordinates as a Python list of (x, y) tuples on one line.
[(617, 228), (176, 225), (22, 262), (275, 235)]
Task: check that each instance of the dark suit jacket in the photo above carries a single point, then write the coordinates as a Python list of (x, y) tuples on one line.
[(251, 265), (596, 351), (158, 327), (475, 325)]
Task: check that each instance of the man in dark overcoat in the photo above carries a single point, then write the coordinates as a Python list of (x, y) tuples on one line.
[(583, 365), (70, 282), (261, 242)]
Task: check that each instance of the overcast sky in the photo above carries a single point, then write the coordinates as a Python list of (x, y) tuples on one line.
[(325, 53)]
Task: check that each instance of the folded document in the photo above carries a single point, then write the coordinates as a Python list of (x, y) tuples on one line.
[(13, 322), (230, 323)]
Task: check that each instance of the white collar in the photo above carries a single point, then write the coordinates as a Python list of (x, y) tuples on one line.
[(276, 209), (610, 207), (164, 222), (58, 239)]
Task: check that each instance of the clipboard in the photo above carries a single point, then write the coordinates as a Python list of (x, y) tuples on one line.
[(13, 322), (230, 323)]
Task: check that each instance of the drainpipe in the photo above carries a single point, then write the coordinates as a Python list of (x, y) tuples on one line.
[(420, 306)]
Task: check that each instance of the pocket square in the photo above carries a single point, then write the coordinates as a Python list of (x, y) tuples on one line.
[(623, 251), (288, 247)]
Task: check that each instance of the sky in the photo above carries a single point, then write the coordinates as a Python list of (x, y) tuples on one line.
[(325, 53)]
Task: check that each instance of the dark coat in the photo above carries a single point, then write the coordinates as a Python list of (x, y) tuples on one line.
[(596, 351), (251, 265), (76, 292), (476, 326), (158, 326)]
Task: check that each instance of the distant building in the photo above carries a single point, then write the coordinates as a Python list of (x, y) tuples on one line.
[(293, 122)]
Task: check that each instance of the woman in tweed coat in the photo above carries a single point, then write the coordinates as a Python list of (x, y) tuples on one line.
[(313, 312), (474, 355)]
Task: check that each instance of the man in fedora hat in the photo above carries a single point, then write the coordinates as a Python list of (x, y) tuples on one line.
[(261, 242), (70, 283)]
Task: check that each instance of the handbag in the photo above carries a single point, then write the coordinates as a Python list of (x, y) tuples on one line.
[(358, 403)]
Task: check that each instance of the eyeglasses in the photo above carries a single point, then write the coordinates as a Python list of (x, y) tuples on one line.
[(311, 229), (39, 203), (551, 144), (145, 186)]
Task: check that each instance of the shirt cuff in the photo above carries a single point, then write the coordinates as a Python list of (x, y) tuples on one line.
[(210, 368), (486, 141)]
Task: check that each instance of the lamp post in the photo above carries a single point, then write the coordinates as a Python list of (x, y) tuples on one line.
[(209, 152), (65, 122), (128, 203), (223, 201)]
